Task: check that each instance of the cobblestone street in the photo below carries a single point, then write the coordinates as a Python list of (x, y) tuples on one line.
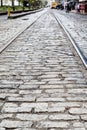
[(42, 80), (76, 25), (10, 28)]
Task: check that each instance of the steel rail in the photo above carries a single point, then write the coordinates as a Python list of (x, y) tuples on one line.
[(4, 47), (78, 50)]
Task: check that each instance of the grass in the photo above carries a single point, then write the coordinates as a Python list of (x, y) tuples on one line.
[(3, 9), (16, 8)]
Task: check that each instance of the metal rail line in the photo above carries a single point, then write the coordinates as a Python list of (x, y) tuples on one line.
[(78, 50), (82, 57), (17, 35)]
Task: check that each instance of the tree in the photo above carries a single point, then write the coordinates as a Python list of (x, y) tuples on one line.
[(1, 3), (32, 3), (13, 4), (20, 1)]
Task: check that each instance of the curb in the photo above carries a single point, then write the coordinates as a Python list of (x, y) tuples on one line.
[(13, 16), (3, 13)]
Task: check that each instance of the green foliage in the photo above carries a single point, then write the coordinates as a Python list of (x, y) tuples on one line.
[(4, 8), (17, 8), (31, 4), (34, 2)]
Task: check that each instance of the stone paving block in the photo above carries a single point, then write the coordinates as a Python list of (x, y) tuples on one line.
[(84, 117), (6, 91), (10, 107), (65, 104), (36, 92), (48, 76), (38, 107), (15, 124), (1, 103), (29, 86), (78, 91), (86, 125), (70, 86), (54, 91), (78, 129), (63, 117), (78, 125), (60, 95), (77, 98), (4, 95), (50, 124), (11, 82), (56, 109), (5, 116), (29, 98), (50, 99), (51, 86), (31, 117), (78, 111), (9, 86)]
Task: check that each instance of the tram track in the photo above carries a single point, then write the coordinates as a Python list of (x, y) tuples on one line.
[(82, 57), (39, 82), (78, 50), (4, 47)]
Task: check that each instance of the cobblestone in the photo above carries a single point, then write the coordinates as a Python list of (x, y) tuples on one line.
[(50, 124), (76, 29), (84, 117), (31, 117), (78, 111), (10, 28), (14, 124), (78, 125), (78, 129), (3, 116), (42, 82), (63, 117)]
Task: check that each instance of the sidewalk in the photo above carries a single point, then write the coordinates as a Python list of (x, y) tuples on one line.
[(74, 11)]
